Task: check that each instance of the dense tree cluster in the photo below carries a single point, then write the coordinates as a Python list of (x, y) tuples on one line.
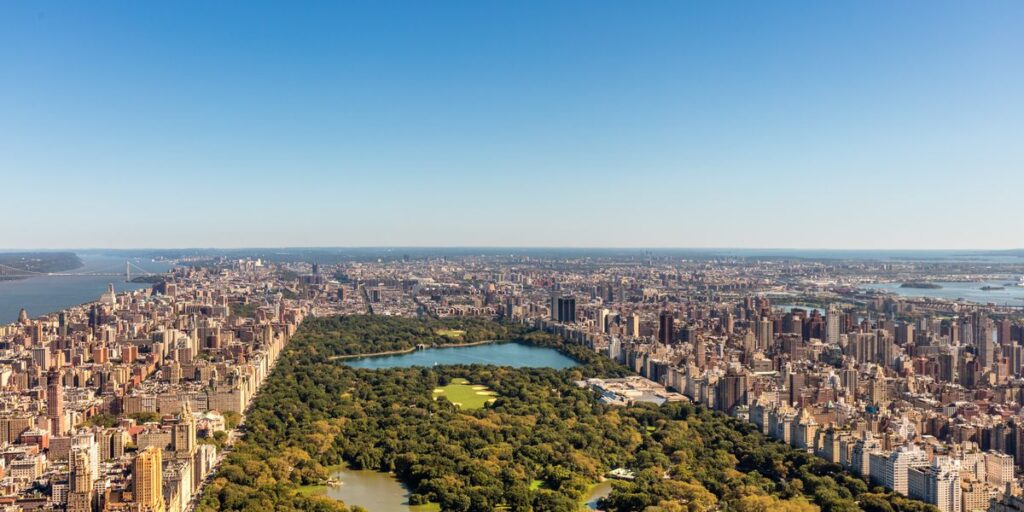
[(315, 412), (367, 334)]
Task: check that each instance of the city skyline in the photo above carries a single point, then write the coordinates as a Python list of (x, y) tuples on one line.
[(859, 126), (904, 373), (465, 256), (491, 247)]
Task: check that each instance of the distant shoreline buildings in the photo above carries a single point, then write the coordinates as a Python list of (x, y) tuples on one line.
[(922, 396)]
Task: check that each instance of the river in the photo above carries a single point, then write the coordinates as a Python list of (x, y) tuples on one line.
[(971, 291), (41, 295)]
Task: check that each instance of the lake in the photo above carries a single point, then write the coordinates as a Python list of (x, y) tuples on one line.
[(41, 295), (516, 355), (380, 492), (372, 490), (1012, 295)]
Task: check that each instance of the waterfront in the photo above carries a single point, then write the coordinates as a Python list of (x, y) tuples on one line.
[(372, 490), (1012, 295), (516, 355), (381, 492), (41, 295), (601, 490)]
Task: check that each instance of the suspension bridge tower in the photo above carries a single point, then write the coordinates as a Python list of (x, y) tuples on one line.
[(127, 271)]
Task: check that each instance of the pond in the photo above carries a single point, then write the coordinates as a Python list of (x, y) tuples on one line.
[(597, 492), (380, 492), (374, 491), (517, 355)]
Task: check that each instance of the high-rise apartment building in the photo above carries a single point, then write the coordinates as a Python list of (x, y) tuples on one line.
[(80, 479), (897, 465), (765, 333), (832, 324), (938, 484), (147, 487), (566, 309), (666, 329), (55, 401)]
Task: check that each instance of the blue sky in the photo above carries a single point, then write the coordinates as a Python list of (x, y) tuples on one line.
[(867, 125)]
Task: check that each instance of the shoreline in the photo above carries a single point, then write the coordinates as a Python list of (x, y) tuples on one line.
[(414, 349), (46, 315)]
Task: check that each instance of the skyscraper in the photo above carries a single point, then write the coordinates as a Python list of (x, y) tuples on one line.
[(62, 324), (185, 432), (764, 333), (732, 390), (633, 326), (567, 309), (602, 319), (832, 321), (147, 486), (700, 352), (666, 333), (55, 401), (80, 480)]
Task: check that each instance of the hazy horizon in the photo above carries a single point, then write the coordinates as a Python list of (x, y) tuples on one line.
[(499, 247)]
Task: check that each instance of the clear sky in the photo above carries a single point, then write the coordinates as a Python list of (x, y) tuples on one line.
[(854, 124)]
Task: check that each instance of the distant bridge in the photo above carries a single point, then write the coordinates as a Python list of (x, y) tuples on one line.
[(9, 272)]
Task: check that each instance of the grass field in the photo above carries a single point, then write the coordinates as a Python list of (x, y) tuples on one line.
[(312, 490), (429, 507), (466, 395), (451, 333)]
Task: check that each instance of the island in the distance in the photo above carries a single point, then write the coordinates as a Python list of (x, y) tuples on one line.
[(921, 285)]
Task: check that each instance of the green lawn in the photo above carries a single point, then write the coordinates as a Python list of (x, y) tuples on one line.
[(429, 507), (451, 333), (466, 395), (312, 490)]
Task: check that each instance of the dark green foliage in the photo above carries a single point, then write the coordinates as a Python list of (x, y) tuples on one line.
[(104, 419), (247, 310), (315, 412)]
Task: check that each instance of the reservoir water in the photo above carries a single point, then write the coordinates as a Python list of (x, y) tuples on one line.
[(374, 491), (517, 355), (380, 492), (1012, 295), (40, 295)]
